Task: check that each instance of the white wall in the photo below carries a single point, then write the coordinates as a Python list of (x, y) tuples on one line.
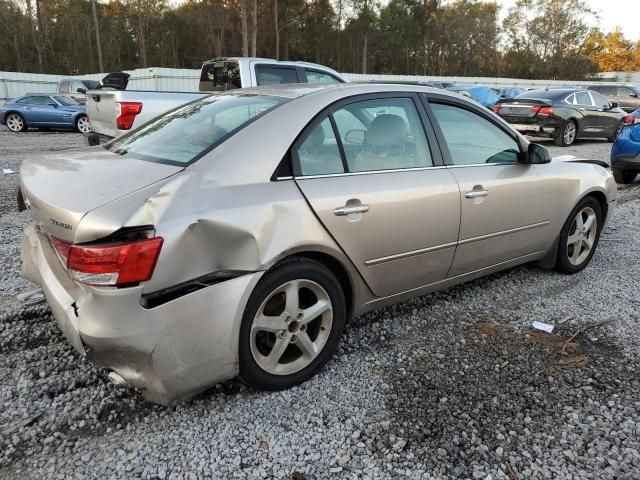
[(13, 84)]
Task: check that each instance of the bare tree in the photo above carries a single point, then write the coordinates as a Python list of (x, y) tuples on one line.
[(254, 27), (276, 29), (245, 35), (96, 27)]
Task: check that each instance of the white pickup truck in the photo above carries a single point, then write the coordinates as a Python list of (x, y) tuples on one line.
[(113, 110)]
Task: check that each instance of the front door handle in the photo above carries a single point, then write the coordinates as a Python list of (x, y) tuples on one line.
[(476, 194), (349, 209)]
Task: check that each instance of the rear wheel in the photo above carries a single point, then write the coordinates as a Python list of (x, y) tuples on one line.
[(15, 122), (617, 132), (83, 125), (291, 325), (566, 134), (579, 236), (624, 176)]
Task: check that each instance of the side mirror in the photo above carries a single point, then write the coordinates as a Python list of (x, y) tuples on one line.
[(53, 104), (633, 94), (538, 154), (355, 137), (614, 105), (81, 90)]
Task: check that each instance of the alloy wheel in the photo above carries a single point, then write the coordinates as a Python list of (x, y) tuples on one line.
[(83, 125), (582, 236), (291, 327), (569, 133), (15, 123)]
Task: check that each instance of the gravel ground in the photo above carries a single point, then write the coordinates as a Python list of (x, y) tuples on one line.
[(451, 385)]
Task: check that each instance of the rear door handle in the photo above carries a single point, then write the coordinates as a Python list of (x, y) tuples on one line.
[(347, 210), (476, 194)]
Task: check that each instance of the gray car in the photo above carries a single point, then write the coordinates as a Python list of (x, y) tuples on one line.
[(627, 96), (236, 235)]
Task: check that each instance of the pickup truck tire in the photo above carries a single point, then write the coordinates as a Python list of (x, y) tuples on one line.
[(566, 134), (82, 124), (15, 122)]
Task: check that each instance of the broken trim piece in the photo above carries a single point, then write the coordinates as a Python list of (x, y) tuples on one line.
[(160, 297)]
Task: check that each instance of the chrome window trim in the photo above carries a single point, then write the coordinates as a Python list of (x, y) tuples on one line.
[(368, 172)]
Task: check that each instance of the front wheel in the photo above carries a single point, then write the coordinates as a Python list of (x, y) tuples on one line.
[(83, 125), (291, 325), (579, 236), (566, 134), (624, 176), (15, 122)]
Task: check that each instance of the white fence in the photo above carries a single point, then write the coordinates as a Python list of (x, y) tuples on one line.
[(13, 84)]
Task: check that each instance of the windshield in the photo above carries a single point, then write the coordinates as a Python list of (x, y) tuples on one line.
[(66, 101), (185, 134)]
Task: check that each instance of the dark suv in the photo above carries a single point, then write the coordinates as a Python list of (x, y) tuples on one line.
[(627, 96)]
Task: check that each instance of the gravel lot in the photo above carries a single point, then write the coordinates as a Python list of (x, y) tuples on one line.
[(451, 385)]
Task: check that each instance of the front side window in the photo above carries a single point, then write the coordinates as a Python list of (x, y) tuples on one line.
[(319, 154), (599, 100), (183, 135), (383, 134), (320, 77), (473, 139), (275, 75)]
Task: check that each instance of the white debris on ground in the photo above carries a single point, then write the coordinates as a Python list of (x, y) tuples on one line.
[(451, 385)]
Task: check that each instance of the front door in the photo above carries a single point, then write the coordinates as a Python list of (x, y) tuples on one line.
[(505, 210), (379, 188)]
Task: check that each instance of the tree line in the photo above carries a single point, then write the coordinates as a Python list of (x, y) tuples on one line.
[(535, 39)]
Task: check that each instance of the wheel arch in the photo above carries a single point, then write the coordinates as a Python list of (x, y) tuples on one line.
[(17, 112)]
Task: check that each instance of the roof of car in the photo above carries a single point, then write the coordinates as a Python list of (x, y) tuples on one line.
[(296, 90), (550, 93)]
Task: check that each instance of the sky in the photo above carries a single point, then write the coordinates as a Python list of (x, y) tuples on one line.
[(622, 13)]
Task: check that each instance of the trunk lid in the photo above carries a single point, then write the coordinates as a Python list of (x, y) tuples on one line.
[(116, 80), (101, 110), (521, 110), (61, 189)]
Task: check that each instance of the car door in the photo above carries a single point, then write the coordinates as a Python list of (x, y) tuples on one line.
[(370, 172), (505, 212), (605, 120), (589, 124), (40, 112)]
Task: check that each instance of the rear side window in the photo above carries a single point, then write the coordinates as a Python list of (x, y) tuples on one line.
[(266, 75), (185, 134), (583, 98), (66, 101), (220, 76), (473, 139), (320, 77)]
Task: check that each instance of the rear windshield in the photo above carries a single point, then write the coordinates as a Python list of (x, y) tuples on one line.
[(185, 134), (220, 76)]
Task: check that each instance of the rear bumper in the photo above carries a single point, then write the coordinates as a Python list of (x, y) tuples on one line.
[(171, 351), (625, 154), (92, 139), (546, 126)]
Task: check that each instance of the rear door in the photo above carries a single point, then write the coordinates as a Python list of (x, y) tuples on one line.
[(375, 179), (505, 210)]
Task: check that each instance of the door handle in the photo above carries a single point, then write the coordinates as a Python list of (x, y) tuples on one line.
[(347, 210), (476, 194)]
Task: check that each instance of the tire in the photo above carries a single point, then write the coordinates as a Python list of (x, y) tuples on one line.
[(273, 358), (82, 124), (624, 176), (615, 135), (564, 136), (15, 122), (574, 252)]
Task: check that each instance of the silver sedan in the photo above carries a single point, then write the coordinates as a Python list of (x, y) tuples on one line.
[(237, 234)]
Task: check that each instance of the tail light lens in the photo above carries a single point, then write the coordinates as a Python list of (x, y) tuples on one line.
[(496, 108), (114, 265), (631, 120), (127, 112), (544, 111)]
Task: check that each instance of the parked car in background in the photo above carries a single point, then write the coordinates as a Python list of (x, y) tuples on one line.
[(77, 88), (625, 154), (483, 95), (238, 233), (115, 112), (44, 111), (563, 114), (510, 92), (627, 96)]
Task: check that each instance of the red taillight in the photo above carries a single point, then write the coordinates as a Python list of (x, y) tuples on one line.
[(545, 111), (111, 265), (631, 120), (127, 114), (496, 108)]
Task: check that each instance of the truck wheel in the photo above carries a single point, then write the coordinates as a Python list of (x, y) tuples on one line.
[(566, 134), (624, 176)]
